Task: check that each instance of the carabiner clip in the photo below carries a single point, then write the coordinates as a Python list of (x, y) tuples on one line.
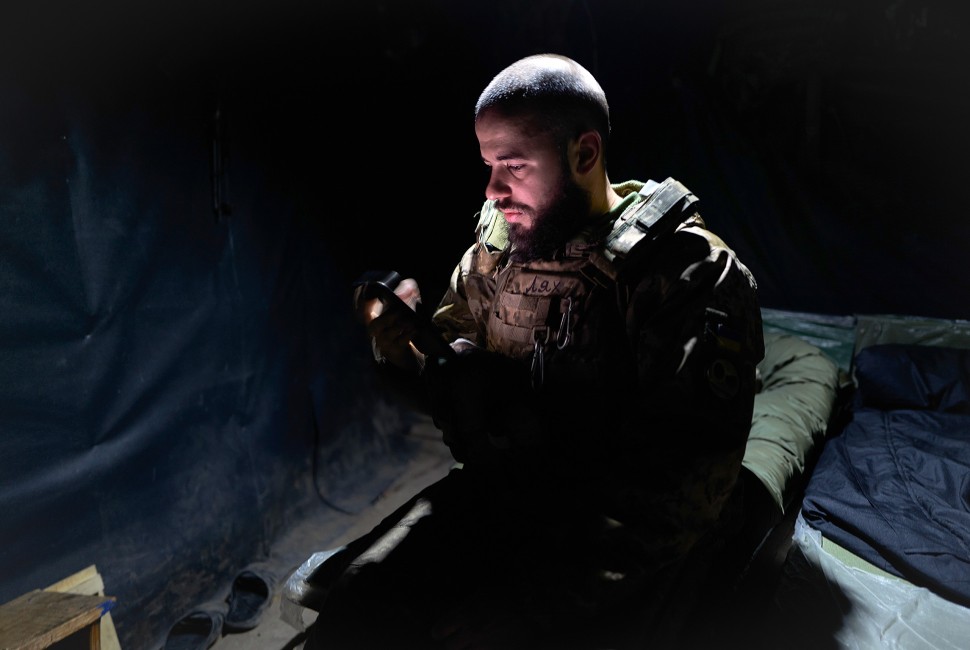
[(565, 333), (539, 356)]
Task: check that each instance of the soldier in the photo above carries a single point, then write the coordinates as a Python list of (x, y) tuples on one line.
[(596, 384)]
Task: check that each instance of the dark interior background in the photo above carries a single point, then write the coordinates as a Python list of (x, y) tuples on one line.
[(188, 189)]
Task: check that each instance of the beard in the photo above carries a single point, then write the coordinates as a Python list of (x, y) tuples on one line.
[(552, 225)]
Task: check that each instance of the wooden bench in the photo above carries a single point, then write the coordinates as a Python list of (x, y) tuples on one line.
[(40, 618), (73, 607)]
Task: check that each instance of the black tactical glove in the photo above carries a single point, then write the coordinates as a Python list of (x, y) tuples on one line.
[(484, 405)]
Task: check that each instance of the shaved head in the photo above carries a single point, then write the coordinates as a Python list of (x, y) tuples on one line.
[(555, 92)]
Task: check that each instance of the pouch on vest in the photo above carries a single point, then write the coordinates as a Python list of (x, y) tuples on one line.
[(667, 205)]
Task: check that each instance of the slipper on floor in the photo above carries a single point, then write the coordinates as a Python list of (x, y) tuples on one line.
[(248, 599), (196, 631)]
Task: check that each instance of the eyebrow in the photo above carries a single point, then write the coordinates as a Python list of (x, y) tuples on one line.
[(511, 155)]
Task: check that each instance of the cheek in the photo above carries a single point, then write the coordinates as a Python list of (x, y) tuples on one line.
[(543, 193), (538, 188)]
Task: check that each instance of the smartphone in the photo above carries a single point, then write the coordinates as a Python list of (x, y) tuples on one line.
[(381, 285)]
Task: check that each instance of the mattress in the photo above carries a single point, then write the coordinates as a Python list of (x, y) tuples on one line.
[(881, 550)]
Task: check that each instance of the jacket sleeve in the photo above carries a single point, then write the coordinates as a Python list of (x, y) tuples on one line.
[(457, 316), (453, 315), (696, 327)]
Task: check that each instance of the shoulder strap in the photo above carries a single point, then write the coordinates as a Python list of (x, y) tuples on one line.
[(665, 207)]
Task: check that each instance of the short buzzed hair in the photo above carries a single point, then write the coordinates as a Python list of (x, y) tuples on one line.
[(558, 93)]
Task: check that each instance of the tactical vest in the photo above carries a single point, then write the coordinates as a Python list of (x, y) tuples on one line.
[(548, 311)]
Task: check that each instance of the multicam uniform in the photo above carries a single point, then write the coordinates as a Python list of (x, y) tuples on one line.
[(630, 392)]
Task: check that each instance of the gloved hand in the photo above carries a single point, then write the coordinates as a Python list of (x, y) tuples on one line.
[(484, 404), (391, 326)]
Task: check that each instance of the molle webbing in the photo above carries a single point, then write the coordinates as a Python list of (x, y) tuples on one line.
[(534, 303), (526, 301), (539, 302)]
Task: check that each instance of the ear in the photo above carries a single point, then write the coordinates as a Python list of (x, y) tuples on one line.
[(588, 148)]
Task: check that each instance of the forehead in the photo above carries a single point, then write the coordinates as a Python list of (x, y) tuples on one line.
[(512, 135)]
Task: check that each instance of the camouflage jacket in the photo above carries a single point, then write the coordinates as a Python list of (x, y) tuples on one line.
[(628, 380)]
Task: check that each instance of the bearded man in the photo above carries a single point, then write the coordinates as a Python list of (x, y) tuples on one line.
[(597, 396)]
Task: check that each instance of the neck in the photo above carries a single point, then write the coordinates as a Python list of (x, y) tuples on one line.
[(603, 198)]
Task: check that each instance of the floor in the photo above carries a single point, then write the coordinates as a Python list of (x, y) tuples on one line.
[(432, 462), (274, 633)]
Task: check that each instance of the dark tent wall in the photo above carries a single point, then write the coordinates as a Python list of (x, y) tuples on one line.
[(176, 338), (831, 139), (187, 190)]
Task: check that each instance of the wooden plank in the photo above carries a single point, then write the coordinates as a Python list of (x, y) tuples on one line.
[(39, 618), (88, 582), (94, 640)]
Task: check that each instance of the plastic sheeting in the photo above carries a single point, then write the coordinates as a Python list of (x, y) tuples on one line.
[(832, 599)]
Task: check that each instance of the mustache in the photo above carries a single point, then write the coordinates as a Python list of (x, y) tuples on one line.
[(509, 205)]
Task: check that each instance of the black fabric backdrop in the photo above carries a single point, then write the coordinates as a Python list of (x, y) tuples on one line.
[(178, 384)]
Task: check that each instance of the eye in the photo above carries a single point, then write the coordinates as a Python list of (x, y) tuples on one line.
[(515, 169)]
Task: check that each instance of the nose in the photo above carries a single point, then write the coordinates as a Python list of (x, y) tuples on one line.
[(496, 188)]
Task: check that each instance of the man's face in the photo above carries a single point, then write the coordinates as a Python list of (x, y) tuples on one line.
[(530, 182)]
